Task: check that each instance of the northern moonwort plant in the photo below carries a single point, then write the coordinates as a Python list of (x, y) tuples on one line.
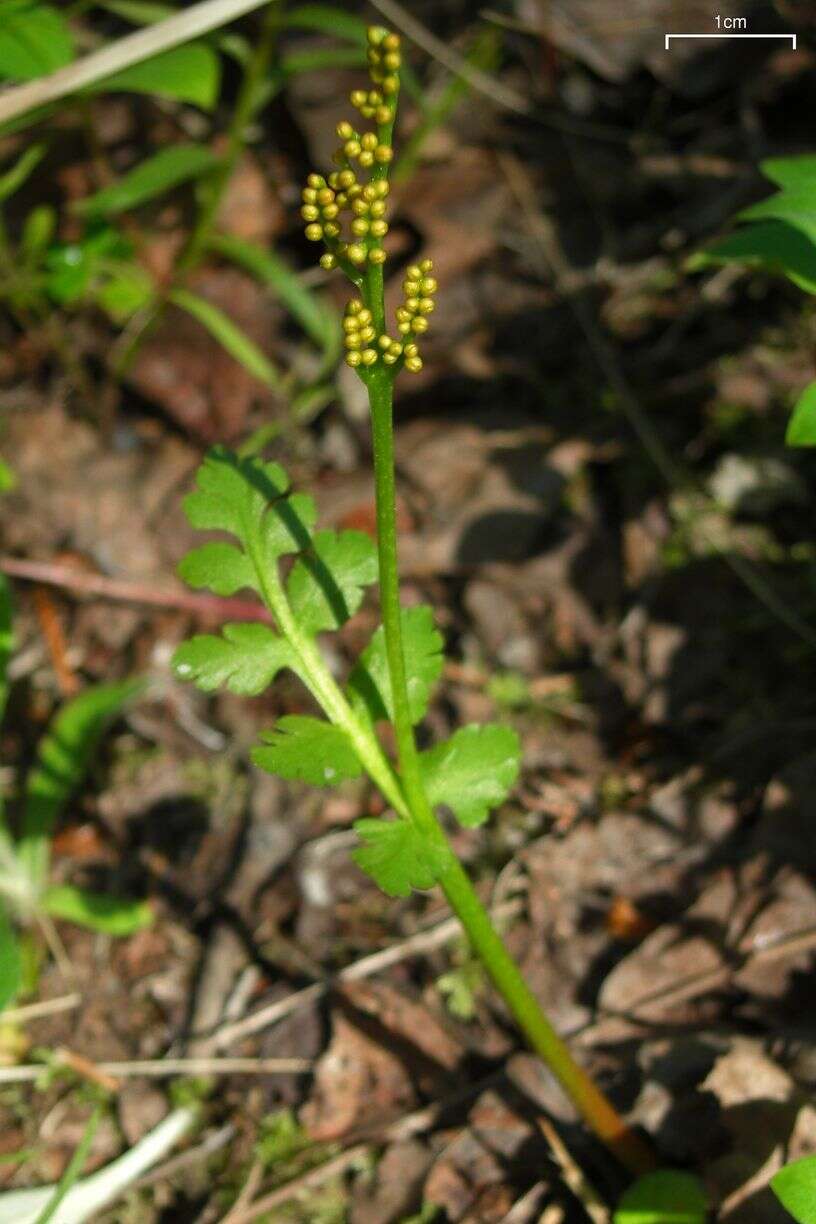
[(393, 678)]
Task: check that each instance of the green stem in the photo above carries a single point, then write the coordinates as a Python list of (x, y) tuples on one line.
[(593, 1105)]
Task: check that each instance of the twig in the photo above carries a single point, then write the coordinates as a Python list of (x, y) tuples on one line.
[(210, 607), (481, 81), (37, 1011), (132, 49), (185, 1160), (573, 1175), (248, 1191), (422, 941), (159, 1068), (308, 1181)]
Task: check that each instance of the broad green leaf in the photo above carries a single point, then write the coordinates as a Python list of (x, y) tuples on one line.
[(802, 425), (34, 40), (396, 856), (99, 911), (472, 772), (665, 1197), (220, 566), (6, 640), (151, 178), (63, 756), (327, 582), (317, 319), (797, 206), (795, 1187), (309, 750), (774, 245), (245, 497), (189, 73), (328, 19), (8, 480), (221, 327), (791, 172), (13, 179), (370, 682), (245, 659), (11, 962)]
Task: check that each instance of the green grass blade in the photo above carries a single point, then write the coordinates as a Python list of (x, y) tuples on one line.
[(99, 911), (6, 640), (319, 321), (11, 962), (25, 165), (63, 757), (73, 1169), (221, 327), (153, 177)]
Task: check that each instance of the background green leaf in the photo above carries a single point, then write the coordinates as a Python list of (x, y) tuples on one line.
[(802, 425), (189, 73), (320, 323), (309, 750), (107, 914), (791, 173), (11, 961), (221, 327), (8, 480), (35, 39), (795, 1187), (166, 169), (12, 180), (63, 756), (775, 245), (665, 1197), (473, 771), (6, 640)]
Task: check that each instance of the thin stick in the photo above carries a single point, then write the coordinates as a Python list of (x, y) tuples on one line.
[(315, 1177), (132, 49), (160, 1068), (482, 82), (367, 966), (211, 607), (37, 1011)]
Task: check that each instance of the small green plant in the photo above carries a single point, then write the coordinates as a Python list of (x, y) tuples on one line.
[(62, 758), (392, 681), (778, 235)]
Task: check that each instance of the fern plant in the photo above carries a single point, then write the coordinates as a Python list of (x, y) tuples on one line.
[(250, 500)]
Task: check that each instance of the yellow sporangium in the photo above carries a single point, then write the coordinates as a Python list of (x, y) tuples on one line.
[(347, 214)]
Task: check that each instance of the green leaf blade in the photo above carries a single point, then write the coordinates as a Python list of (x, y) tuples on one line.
[(791, 173), (98, 911), (189, 73), (35, 39), (667, 1196), (802, 425), (370, 682), (473, 771), (396, 856), (11, 961), (221, 327), (327, 583), (245, 659), (220, 567), (153, 177), (63, 757), (304, 749), (775, 245), (795, 1187)]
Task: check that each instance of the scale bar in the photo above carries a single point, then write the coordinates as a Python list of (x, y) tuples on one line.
[(792, 37)]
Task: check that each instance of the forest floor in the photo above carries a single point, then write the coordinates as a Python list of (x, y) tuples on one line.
[(597, 501)]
